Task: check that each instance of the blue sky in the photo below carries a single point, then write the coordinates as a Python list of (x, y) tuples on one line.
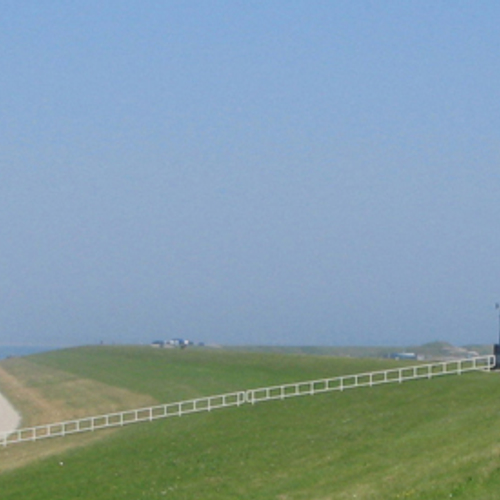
[(301, 172)]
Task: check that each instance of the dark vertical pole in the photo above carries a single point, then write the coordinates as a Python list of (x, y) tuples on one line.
[(497, 306)]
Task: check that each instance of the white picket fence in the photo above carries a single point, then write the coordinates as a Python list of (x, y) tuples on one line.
[(252, 396)]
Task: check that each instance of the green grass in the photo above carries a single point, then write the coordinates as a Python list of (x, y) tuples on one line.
[(174, 374), (428, 439)]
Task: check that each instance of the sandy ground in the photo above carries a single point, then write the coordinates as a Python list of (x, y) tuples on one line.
[(9, 418)]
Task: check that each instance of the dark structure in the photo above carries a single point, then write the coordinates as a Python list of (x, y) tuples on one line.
[(496, 352)]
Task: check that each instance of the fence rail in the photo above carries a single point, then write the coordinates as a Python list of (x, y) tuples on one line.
[(252, 396)]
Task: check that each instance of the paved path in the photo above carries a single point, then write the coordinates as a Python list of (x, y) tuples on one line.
[(9, 418)]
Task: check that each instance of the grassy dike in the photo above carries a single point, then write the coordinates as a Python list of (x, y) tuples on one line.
[(423, 440)]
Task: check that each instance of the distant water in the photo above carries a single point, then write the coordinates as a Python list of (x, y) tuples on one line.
[(15, 350)]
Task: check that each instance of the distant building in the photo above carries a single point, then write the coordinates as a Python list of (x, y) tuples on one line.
[(182, 343), (158, 343), (403, 355), (165, 344)]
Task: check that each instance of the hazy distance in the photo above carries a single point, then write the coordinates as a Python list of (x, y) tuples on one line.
[(249, 172)]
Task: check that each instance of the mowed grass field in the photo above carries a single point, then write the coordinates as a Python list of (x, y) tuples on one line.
[(427, 439)]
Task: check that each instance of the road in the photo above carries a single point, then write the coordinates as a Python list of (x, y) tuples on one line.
[(9, 418)]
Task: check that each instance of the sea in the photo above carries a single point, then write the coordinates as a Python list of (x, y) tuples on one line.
[(7, 351)]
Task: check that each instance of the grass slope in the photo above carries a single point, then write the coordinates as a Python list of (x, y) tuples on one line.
[(173, 374), (422, 440)]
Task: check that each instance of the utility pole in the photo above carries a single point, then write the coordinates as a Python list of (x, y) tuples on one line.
[(497, 307)]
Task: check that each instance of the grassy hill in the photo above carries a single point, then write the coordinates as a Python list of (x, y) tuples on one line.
[(422, 440), (430, 351)]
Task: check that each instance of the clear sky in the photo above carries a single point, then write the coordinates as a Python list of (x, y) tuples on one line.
[(249, 172)]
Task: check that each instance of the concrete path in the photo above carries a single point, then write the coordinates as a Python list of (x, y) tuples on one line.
[(9, 418)]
